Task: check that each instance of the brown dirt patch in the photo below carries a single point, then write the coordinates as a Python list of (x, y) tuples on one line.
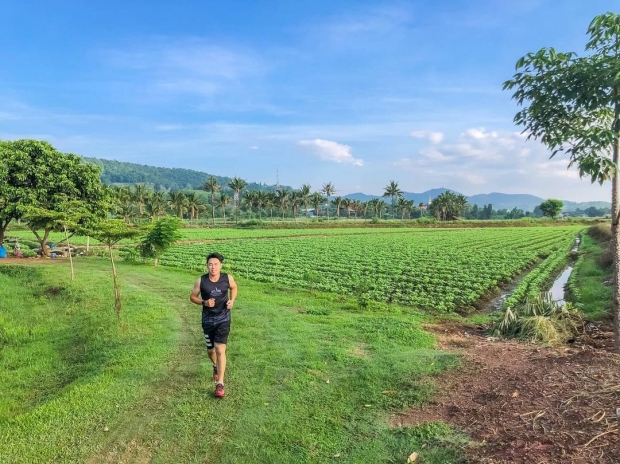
[(523, 403)]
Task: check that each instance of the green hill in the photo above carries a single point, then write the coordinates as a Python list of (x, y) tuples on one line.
[(122, 173)]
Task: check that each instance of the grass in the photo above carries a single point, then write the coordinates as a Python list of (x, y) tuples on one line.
[(310, 376), (593, 296)]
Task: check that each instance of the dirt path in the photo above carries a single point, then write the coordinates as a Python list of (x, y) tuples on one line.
[(527, 404), (131, 440)]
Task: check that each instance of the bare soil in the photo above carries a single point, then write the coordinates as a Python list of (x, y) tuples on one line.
[(522, 403)]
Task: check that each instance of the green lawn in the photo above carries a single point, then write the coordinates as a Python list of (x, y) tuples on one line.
[(311, 378)]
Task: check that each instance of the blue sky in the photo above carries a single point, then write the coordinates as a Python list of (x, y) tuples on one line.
[(356, 93)]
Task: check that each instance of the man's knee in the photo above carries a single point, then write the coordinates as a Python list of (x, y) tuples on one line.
[(220, 348)]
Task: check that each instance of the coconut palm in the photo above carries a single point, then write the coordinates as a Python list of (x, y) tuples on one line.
[(316, 199), (139, 196), (281, 198), (237, 184), (154, 205), (391, 190), (212, 186), (223, 200), (250, 198), (178, 202), (347, 203), (194, 205), (304, 196), (294, 199), (328, 189), (337, 202)]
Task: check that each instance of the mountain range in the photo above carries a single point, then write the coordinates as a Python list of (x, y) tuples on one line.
[(123, 173)]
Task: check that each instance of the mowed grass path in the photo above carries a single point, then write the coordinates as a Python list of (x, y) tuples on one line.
[(310, 378)]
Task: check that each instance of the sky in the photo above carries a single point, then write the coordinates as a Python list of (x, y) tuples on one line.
[(356, 93)]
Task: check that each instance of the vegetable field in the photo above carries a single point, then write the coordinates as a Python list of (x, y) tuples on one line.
[(438, 269)]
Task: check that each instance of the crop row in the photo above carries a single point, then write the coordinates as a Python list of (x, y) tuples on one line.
[(440, 269)]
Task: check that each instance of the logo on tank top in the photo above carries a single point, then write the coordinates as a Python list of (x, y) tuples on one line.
[(216, 292)]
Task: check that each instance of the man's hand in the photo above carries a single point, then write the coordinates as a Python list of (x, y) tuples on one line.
[(210, 303), (229, 304)]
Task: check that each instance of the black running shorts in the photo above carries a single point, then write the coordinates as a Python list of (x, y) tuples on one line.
[(216, 333)]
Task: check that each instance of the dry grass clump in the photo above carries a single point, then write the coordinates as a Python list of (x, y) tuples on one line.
[(601, 232), (540, 320)]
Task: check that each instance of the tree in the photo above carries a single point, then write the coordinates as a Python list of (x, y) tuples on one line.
[(212, 186), (304, 196), (110, 232), (161, 235), (33, 174), (224, 200), (237, 184), (281, 197), (551, 207), (194, 205), (316, 199), (337, 202), (391, 190), (572, 104), (178, 200), (328, 189), (448, 206)]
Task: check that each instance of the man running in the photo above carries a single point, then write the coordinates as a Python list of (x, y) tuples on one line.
[(212, 292)]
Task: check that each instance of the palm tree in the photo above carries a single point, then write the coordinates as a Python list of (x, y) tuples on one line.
[(337, 202), (270, 202), (304, 196), (328, 189), (237, 184), (262, 201), (347, 203), (250, 198), (139, 195), (223, 201), (179, 202), (281, 197), (294, 198), (381, 206), (212, 186), (194, 205), (358, 207), (392, 190), (123, 205), (154, 205), (316, 199)]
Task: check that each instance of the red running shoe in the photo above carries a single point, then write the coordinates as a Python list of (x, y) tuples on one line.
[(215, 376), (219, 390)]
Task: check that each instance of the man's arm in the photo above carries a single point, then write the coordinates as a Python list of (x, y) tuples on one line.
[(232, 287), (195, 297)]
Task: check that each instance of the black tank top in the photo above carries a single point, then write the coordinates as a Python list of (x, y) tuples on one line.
[(218, 290)]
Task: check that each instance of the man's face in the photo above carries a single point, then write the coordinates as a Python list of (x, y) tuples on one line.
[(214, 266)]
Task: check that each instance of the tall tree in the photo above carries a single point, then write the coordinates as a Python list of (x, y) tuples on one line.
[(328, 189), (316, 199), (281, 198), (194, 205), (212, 186), (33, 174), (391, 190), (572, 104), (110, 232), (551, 207), (337, 202), (304, 196), (224, 200), (178, 201), (237, 184)]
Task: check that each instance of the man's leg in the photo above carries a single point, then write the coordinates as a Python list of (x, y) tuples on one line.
[(211, 351), (220, 352)]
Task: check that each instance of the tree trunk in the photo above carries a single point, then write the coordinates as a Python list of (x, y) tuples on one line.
[(69, 251), (615, 228), (117, 290)]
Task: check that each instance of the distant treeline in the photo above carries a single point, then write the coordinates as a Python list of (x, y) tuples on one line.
[(117, 172)]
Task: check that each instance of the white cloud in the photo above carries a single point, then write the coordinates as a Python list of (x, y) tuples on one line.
[(253, 147), (332, 151), (433, 137)]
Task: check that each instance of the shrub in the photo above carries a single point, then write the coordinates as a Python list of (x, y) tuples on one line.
[(540, 319), (601, 232)]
